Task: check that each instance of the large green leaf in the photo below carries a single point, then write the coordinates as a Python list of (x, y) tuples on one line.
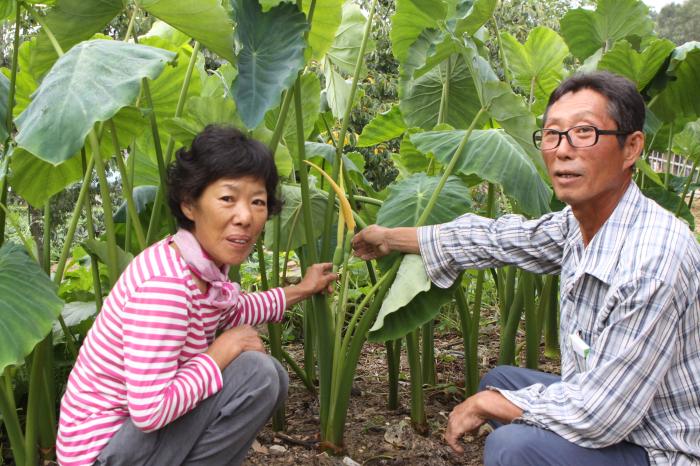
[(504, 106), (283, 159), (27, 313), (687, 142), (269, 4), (203, 20), (25, 83), (496, 157), (410, 160), (143, 196), (348, 39), (537, 65), (272, 53), (641, 68), (310, 106), (670, 202), (408, 199), (586, 31), (165, 89), (71, 22), (36, 180), (100, 249), (411, 279), (421, 97), (4, 96), (337, 91), (397, 319), (409, 21), (383, 127), (324, 24), (88, 84), (292, 231), (681, 96), (471, 15)]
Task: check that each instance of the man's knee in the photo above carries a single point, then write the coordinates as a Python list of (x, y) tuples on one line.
[(512, 444), (494, 378)]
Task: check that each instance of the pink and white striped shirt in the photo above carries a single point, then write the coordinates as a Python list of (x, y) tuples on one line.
[(144, 356)]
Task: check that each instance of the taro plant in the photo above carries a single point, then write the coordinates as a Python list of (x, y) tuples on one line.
[(75, 104)]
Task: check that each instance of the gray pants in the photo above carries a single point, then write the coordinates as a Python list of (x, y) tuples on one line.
[(525, 445), (219, 431)]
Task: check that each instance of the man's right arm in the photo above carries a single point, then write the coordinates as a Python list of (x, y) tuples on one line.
[(472, 242), (376, 241)]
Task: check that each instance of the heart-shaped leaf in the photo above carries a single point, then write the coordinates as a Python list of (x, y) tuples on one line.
[(641, 68), (409, 21), (337, 91), (687, 142), (324, 24), (681, 95), (398, 320), (348, 39), (586, 31), (420, 98), (53, 127), (508, 109), (36, 180), (537, 65), (408, 199), (71, 22), (203, 20), (471, 15), (496, 157), (26, 316), (411, 279), (383, 127), (272, 53)]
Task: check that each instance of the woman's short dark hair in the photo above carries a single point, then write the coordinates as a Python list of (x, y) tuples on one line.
[(219, 152), (625, 103)]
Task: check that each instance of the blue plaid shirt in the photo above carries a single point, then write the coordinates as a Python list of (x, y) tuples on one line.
[(633, 295)]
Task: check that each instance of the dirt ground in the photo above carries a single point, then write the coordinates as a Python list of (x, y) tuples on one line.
[(373, 434)]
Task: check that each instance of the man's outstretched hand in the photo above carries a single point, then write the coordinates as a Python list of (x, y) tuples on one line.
[(376, 241), (371, 243)]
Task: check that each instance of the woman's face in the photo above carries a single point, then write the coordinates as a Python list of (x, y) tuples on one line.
[(228, 217)]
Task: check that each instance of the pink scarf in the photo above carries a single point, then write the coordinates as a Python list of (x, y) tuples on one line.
[(223, 294)]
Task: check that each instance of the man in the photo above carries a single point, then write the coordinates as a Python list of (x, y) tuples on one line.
[(629, 393)]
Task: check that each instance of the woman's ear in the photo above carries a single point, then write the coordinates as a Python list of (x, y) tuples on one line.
[(187, 209)]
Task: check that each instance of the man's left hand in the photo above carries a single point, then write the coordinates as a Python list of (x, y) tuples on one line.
[(474, 411), (463, 419)]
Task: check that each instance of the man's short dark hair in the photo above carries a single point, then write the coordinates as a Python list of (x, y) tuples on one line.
[(219, 152), (625, 103)]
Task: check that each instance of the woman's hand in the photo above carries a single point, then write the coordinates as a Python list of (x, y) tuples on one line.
[(318, 278), (231, 343)]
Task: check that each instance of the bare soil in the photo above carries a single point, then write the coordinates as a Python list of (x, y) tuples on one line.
[(374, 435)]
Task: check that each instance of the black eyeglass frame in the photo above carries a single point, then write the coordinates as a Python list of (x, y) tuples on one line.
[(598, 133)]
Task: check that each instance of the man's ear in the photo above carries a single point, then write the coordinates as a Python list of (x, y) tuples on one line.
[(634, 145), (188, 209)]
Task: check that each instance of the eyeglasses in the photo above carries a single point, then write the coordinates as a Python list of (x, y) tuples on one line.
[(578, 136)]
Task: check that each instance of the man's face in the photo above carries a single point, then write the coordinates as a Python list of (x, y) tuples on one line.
[(589, 179)]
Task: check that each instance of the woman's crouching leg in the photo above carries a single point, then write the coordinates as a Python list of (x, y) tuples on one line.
[(255, 384)]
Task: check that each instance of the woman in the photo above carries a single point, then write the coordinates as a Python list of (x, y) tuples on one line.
[(153, 383)]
